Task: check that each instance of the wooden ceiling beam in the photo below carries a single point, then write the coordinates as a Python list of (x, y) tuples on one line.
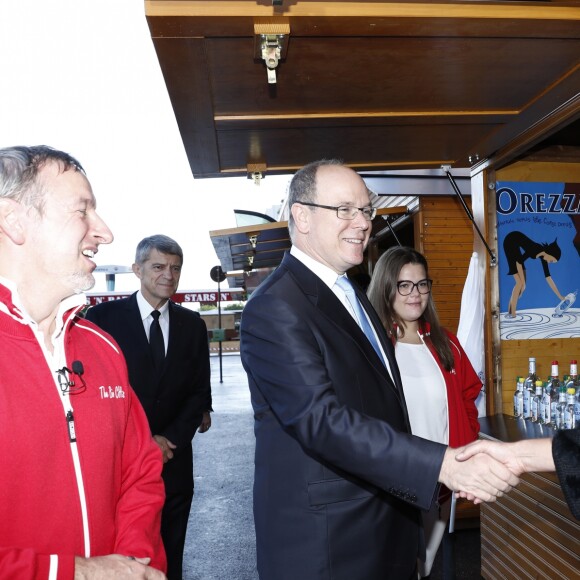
[(308, 9), (374, 115)]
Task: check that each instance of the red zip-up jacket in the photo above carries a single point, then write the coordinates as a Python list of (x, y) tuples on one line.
[(59, 497), (463, 387)]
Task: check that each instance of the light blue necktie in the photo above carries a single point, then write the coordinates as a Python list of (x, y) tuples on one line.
[(344, 283)]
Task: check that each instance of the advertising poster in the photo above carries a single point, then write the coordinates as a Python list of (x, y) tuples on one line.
[(538, 228)]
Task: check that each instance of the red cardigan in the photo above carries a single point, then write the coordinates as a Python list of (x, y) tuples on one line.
[(463, 387)]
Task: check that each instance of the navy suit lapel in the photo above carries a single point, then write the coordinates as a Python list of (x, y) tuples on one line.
[(331, 307), (175, 327), (382, 335), (135, 323)]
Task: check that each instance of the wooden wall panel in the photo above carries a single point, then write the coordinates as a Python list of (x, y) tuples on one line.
[(444, 234)]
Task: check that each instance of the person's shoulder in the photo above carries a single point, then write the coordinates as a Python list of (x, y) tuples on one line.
[(93, 333), (449, 334), (109, 306), (452, 338), (287, 277), (185, 313)]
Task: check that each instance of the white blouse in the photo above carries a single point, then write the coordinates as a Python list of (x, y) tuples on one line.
[(425, 392)]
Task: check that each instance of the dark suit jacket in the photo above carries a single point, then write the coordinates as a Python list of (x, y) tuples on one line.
[(338, 479), (566, 452), (176, 398)]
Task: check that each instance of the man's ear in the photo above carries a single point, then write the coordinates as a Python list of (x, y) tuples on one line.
[(12, 215), (301, 217), (136, 270)]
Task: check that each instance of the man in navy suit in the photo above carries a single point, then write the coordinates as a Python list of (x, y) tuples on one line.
[(175, 391), (339, 480)]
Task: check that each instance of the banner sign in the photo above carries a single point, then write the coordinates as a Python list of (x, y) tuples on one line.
[(538, 231), (201, 296)]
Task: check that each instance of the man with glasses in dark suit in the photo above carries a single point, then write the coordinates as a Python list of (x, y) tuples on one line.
[(339, 480)]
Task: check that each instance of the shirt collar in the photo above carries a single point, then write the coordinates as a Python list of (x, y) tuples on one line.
[(326, 274), (145, 308), (75, 301)]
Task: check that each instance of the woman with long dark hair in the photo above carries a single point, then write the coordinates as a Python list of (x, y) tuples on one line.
[(439, 383)]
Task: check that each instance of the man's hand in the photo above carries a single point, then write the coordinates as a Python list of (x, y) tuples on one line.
[(166, 447), (205, 422), (115, 566), (480, 479), (520, 457)]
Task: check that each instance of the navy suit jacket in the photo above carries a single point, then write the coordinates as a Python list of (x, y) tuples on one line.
[(175, 398), (338, 478)]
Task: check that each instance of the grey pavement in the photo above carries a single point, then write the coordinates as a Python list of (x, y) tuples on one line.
[(220, 543)]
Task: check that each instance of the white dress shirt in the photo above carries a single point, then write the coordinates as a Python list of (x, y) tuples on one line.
[(145, 310), (329, 277)]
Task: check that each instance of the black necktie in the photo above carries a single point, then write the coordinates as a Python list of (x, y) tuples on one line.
[(156, 340)]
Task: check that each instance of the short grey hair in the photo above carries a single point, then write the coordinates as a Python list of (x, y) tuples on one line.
[(20, 167), (159, 242), (303, 186)]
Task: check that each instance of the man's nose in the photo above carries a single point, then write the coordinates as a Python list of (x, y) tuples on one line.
[(361, 221), (101, 229)]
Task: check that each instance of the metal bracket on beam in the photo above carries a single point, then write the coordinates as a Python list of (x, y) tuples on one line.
[(256, 172), (446, 169), (271, 43), (271, 52)]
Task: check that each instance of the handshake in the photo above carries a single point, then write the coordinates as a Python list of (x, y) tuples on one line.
[(485, 470)]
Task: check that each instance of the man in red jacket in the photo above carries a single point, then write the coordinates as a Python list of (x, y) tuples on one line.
[(80, 476)]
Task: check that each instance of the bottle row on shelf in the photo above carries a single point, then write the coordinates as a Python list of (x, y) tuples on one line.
[(555, 402)]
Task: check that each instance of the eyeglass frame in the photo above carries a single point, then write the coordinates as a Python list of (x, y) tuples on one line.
[(67, 385), (372, 211), (415, 285)]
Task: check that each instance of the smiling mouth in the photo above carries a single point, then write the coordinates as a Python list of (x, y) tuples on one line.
[(89, 253)]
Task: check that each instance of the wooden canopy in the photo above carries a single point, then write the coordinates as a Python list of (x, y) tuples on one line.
[(381, 85)]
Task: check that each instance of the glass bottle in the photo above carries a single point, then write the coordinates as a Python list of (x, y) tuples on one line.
[(569, 417), (537, 409), (546, 402), (561, 409), (574, 383), (554, 392), (529, 388), (519, 398)]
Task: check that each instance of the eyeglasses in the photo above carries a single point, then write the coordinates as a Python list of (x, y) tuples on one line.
[(347, 212), (406, 287), (67, 385)]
